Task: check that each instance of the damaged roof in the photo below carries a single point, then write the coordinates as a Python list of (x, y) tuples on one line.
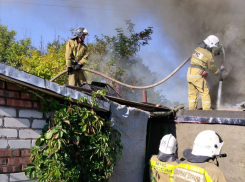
[(25, 79)]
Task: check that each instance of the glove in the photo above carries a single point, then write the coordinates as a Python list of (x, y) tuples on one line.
[(204, 74), (78, 66), (223, 73), (69, 70)]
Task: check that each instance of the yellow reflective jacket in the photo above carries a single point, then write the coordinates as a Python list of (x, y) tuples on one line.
[(160, 171), (203, 58), (76, 51), (197, 172)]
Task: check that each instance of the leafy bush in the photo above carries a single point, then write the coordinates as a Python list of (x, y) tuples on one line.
[(76, 145)]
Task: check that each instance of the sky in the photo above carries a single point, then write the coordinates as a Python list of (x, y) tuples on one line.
[(178, 27)]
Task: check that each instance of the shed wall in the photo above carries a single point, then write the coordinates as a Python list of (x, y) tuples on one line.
[(132, 124)]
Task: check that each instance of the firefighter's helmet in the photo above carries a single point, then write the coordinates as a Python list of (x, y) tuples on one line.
[(80, 31), (212, 41), (168, 144)]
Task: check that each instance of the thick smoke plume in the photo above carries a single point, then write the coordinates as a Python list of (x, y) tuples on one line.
[(177, 24), (188, 22)]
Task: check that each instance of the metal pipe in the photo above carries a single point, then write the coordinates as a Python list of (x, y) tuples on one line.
[(118, 88), (144, 95)]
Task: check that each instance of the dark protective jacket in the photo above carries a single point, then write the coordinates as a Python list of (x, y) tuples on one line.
[(77, 52)]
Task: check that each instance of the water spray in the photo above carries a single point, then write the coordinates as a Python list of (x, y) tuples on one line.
[(221, 77)]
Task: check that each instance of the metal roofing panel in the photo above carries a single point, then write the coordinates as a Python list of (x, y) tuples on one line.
[(22, 76)]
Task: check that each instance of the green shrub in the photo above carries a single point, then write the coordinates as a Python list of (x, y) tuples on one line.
[(76, 145)]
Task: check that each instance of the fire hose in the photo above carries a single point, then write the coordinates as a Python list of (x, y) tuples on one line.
[(124, 84)]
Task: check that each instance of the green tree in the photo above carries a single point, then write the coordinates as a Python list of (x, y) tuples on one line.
[(11, 50), (46, 65), (117, 57)]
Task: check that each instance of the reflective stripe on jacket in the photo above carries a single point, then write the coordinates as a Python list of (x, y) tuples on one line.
[(197, 172), (184, 171), (161, 171), (203, 58)]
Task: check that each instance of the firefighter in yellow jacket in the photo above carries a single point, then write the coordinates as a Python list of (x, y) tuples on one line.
[(202, 59), (200, 165), (162, 166), (76, 56)]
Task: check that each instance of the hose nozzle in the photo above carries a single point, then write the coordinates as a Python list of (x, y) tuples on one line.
[(221, 155)]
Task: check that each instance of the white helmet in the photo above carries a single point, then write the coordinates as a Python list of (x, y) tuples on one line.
[(168, 144), (212, 41), (207, 143)]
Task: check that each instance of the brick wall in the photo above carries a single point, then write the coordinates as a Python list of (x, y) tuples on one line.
[(21, 123), (11, 95)]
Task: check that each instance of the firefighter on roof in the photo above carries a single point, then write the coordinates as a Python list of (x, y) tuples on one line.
[(202, 59), (200, 165), (162, 166), (76, 56)]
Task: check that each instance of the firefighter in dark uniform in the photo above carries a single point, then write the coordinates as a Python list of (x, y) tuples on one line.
[(76, 56)]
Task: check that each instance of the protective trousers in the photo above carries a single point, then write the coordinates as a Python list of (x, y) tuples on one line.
[(193, 90), (76, 78), (201, 59)]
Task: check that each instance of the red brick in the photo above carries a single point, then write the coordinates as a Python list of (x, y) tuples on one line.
[(19, 103), (19, 160), (3, 161), (25, 153), (9, 153), (12, 168), (25, 96), (2, 84), (6, 93), (37, 105), (2, 101), (11, 86), (23, 167)]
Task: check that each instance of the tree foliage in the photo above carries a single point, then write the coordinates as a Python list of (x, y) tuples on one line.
[(45, 65), (11, 50), (116, 56), (76, 145)]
